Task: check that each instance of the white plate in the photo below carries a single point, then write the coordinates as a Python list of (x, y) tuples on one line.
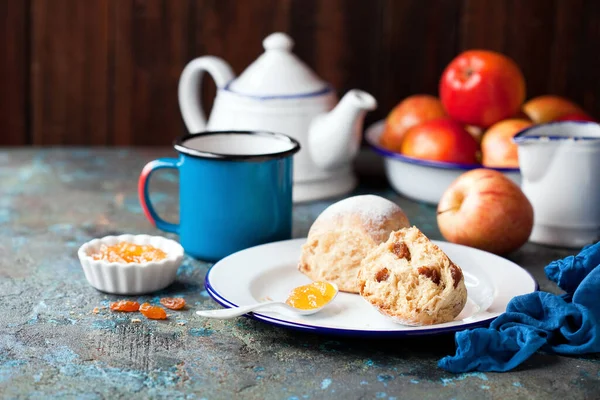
[(406, 174), (270, 271)]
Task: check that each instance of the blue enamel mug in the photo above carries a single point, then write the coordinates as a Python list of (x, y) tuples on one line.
[(235, 191)]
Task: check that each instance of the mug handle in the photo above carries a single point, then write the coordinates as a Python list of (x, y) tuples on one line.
[(144, 195)]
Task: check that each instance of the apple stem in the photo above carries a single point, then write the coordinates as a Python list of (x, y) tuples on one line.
[(449, 209)]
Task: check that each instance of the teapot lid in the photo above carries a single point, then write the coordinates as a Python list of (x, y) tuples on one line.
[(278, 73)]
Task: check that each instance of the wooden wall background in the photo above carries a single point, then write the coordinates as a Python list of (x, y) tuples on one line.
[(105, 72)]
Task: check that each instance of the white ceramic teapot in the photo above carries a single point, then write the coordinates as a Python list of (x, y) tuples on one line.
[(279, 93)]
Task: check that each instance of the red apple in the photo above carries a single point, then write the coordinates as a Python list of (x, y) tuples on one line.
[(549, 108), (481, 87), (576, 117), (440, 140), (484, 209), (497, 147), (409, 112)]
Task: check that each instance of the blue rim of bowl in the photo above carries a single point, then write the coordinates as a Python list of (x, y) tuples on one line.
[(349, 332), (426, 163), (521, 138)]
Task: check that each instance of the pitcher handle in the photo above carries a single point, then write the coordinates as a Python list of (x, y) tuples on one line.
[(190, 84), (144, 195)]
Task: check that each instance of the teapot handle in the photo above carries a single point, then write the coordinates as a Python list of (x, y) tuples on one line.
[(190, 83)]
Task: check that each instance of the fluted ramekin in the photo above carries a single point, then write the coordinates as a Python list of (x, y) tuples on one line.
[(131, 278)]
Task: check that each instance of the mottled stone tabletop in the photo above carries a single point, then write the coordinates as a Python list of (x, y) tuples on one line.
[(53, 345)]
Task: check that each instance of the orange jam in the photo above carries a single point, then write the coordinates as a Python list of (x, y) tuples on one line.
[(125, 252), (313, 295)]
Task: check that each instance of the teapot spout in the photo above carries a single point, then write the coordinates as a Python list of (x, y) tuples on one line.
[(334, 138)]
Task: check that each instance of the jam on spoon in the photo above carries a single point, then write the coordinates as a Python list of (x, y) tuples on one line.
[(303, 300), (313, 295)]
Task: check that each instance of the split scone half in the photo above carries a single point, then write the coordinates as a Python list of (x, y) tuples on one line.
[(411, 280), (343, 234)]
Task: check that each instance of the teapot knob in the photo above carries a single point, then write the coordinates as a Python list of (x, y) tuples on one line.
[(278, 41)]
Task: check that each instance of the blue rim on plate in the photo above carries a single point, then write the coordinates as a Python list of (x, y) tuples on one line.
[(347, 332), (521, 138), (427, 163)]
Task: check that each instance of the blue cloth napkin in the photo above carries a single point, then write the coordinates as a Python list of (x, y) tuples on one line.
[(563, 324)]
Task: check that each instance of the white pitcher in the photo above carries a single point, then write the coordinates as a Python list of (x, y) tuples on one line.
[(560, 168)]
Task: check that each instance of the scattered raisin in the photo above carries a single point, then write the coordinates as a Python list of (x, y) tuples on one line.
[(125, 306), (400, 249), (174, 303), (382, 275), (456, 274), (153, 312), (431, 273)]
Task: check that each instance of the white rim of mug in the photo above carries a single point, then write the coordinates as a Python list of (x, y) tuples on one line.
[(180, 147)]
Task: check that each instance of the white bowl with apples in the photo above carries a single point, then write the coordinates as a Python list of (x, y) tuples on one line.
[(419, 179)]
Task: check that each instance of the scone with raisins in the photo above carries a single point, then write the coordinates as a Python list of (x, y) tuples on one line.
[(411, 280), (344, 233)]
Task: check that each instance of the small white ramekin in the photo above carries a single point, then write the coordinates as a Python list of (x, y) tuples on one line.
[(131, 278)]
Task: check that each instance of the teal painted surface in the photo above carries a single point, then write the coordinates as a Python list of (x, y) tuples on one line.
[(53, 345)]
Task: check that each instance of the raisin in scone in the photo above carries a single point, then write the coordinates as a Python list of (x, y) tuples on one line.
[(343, 234), (411, 280)]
